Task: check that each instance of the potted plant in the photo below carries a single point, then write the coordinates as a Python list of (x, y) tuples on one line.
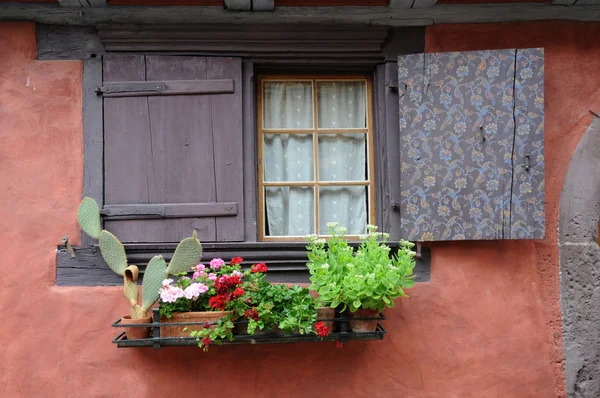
[(364, 281), (264, 306), (208, 296), (188, 252)]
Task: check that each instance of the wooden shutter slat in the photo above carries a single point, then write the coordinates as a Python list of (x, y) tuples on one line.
[(469, 126), (168, 87), (172, 210), (228, 141)]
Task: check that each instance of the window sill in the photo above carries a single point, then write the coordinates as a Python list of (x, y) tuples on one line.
[(286, 261)]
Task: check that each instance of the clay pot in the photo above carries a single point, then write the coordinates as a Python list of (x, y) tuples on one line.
[(326, 313), (362, 326), (134, 333), (180, 317)]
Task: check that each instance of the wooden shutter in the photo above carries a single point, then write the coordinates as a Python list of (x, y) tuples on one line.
[(472, 145), (173, 148)]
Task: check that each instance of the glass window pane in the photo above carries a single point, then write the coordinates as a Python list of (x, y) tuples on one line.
[(342, 157), (287, 105), (290, 211), (288, 157), (344, 205), (342, 104)]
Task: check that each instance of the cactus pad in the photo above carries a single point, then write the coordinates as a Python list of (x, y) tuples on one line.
[(137, 312), (113, 252), (187, 254), (156, 272), (130, 289), (88, 216)]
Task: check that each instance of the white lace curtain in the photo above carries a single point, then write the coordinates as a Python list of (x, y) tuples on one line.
[(290, 210)]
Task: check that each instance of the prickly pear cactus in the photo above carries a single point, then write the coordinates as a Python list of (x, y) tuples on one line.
[(130, 289), (187, 254), (113, 252), (156, 272), (88, 216)]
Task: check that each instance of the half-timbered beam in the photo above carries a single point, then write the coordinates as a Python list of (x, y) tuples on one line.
[(82, 3), (441, 13)]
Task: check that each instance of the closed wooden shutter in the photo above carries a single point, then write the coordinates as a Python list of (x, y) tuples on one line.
[(173, 148), (472, 145)]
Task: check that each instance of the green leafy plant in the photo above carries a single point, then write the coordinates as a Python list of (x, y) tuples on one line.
[(187, 254), (263, 306), (364, 278)]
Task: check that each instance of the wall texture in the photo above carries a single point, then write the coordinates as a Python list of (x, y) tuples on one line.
[(487, 324)]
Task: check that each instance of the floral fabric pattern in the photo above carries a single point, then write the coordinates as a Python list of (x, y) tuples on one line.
[(472, 162)]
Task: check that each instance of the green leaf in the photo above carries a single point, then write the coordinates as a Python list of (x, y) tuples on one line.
[(156, 272), (187, 254), (113, 252), (88, 216), (356, 303)]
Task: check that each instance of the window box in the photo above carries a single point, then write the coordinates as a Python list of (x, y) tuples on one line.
[(341, 336)]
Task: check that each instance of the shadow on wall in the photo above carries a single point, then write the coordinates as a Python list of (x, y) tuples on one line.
[(580, 266)]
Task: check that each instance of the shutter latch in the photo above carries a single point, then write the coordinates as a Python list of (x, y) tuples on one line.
[(65, 244), (527, 162)]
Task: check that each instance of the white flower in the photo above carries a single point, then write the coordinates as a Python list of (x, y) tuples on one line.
[(332, 224), (359, 276), (349, 265), (320, 241), (167, 282), (311, 238), (372, 228), (343, 230), (325, 266), (371, 276)]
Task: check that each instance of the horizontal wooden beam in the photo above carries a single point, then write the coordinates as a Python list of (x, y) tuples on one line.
[(82, 3), (174, 210), (286, 261), (167, 87), (68, 42), (441, 13)]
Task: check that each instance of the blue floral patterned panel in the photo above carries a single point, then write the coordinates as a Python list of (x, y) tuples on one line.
[(466, 171)]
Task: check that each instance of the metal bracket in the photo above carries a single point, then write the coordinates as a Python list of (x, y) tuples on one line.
[(65, 244), (419, 253)]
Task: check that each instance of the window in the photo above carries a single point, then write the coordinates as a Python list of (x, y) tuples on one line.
[(315, 155)]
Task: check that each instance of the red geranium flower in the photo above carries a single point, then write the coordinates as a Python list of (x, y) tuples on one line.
[(206, 341), (236, 261), (262, 267), (239, 292), (321, 329), (251, 314), (219, 301)]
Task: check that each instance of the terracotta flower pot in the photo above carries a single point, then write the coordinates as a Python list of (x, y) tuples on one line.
[(134, 333), (326, 313), (362, 326), (180, 317)]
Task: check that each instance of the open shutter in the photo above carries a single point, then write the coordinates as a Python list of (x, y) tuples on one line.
[(472, 145), (173, 148)]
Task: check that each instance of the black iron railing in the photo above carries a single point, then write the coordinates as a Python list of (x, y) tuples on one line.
[(341, 335)]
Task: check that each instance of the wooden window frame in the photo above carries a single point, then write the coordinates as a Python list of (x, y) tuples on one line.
[(369, 183)]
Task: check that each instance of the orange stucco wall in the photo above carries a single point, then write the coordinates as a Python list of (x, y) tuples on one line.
[(488, 323)]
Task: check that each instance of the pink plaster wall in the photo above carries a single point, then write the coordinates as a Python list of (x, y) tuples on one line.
[(488, 323)]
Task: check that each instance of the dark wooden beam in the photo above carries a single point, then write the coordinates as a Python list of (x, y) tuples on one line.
[(412, 3), (93, 135), (67, 42), (237, 5), (82, 3), (286, 261), (441, 13)]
